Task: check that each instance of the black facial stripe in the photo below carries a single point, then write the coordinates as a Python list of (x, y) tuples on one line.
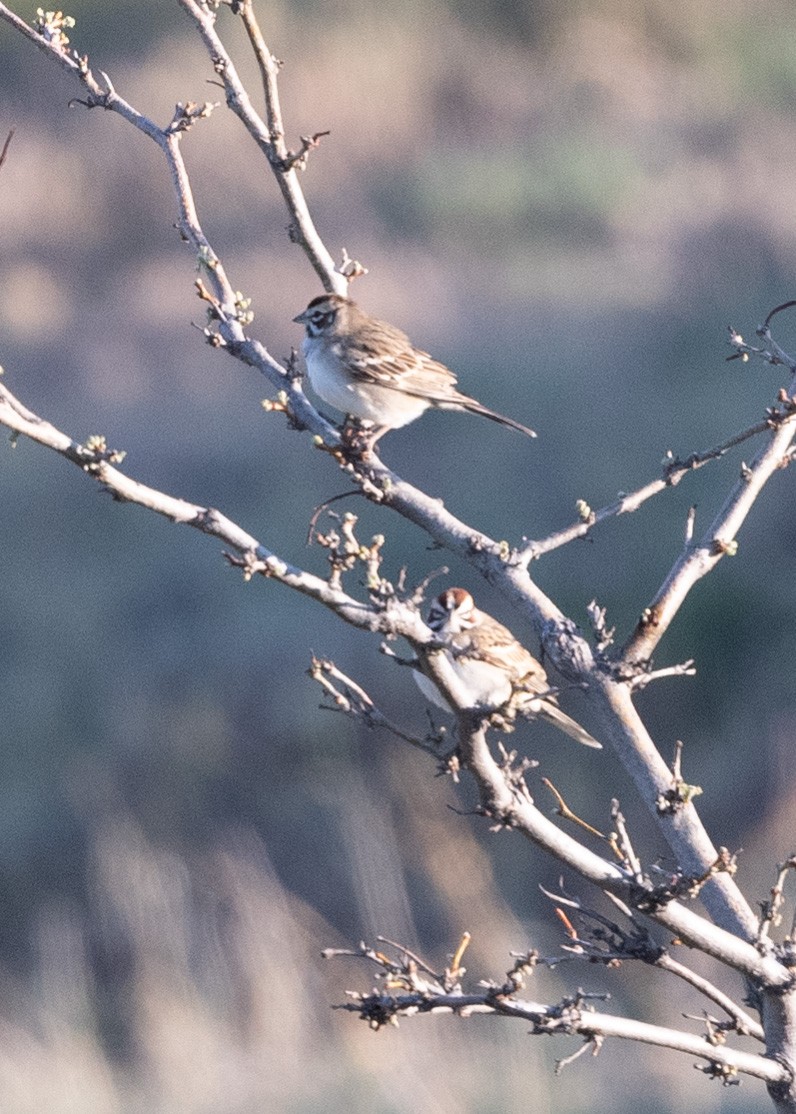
[(321, 320), (436, 616)]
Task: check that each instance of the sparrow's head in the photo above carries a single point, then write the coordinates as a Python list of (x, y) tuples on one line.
[(324, 314), (452, 611)]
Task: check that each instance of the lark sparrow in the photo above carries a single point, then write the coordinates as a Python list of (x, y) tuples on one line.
[(371, 371), (492, 665)]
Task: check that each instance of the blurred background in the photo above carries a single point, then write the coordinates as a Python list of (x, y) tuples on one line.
[(568, 204)]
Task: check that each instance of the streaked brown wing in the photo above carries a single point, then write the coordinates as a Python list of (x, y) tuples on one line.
[(386, 356), (507, 652)]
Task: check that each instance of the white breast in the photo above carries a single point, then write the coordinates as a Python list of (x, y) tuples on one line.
[(361, 399), (486, 685), (328, 381)]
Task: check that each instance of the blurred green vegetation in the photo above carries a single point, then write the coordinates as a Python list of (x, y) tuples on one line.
[(566, 203)]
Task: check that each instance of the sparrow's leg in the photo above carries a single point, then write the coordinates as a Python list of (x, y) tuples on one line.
[(359, 438)]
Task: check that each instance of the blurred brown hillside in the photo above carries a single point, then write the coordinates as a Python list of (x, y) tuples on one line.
[(568, 204)]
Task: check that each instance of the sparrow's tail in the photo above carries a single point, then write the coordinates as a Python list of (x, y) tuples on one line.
[(475, 407), (568, 725)]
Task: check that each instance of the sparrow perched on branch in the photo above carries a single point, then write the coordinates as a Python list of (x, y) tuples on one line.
[(371, 371), (492, 665)]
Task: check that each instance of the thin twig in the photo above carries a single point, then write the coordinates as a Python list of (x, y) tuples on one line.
[(771, 915), (6, 145), (623, 841), (673, 472), (743, 1022), (564, 811), (641, 680), (351, 699), (416, 959)]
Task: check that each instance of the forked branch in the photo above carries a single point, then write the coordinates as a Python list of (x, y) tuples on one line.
[(268, 134)]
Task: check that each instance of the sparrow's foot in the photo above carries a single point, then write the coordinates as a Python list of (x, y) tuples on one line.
[(359, 438)]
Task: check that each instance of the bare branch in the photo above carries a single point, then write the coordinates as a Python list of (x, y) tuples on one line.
[(505, 803), (228, 316), (743, 1022), (718, 541), (351, 699), (422, 990), (254, 558), (773, 355), (268, 135), (571, 1017), (674, 469), (609, 943)]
